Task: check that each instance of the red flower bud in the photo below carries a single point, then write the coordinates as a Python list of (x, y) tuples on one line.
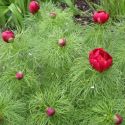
[(19, 75), (53, 14), (50, 111), (8, 36), (62, 42), (100, 17), (100, 60), (118, 119), (34, 7)]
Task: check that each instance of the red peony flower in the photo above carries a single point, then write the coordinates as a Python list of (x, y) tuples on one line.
[(8, 36), (19, 75), (100, 60), (34, 7), (50, 111), (100, 17), (118, 119)]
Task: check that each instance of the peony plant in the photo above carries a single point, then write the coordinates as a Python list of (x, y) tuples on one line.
[(58, 73)]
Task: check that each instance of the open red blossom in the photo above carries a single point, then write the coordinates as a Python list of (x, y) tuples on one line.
[(118, 119), (100, 60), (100, 17), (8, 36), (34, 7)]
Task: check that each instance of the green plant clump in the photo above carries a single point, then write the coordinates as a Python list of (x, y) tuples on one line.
[(61, 77)]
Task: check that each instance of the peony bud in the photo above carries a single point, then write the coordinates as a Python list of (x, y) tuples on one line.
[(34, 7), (118, 119), (53, 14), (8, 36), (62, 42), (50, 111), (19, 75)]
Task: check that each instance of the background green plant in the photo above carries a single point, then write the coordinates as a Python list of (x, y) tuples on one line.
[(12, 12), (114, 7)]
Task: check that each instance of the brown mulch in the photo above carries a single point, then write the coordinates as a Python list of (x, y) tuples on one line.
[(84, 19), (82, 5)]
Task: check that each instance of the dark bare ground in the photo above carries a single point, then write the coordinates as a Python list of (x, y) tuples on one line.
[(83, 18), (84, 6)]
